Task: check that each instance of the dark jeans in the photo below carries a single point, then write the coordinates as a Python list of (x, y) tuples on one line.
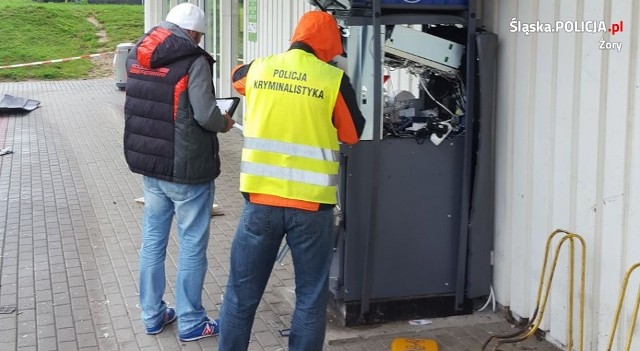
[(253, 254)]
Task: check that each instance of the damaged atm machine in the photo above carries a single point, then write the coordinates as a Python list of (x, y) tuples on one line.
[(417, 197)]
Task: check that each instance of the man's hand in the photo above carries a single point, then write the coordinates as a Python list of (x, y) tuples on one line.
[(229, 122)]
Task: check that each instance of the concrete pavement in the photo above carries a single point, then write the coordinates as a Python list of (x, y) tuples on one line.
[(70, 233)]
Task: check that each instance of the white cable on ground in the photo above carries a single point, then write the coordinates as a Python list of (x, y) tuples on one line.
[(492, 298)]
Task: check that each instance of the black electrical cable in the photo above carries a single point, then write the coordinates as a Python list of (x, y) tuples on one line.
[(421, 135), (319, 5)]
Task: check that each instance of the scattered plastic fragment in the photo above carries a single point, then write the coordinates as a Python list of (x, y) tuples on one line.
[(6, 151), (420, 322), (7, 309), (14, 103)]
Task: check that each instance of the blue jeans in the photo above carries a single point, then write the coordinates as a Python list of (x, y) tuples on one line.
[(192, 207), (253, 254)]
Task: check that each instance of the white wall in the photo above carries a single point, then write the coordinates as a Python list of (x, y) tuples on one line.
[(568, 131), (277, 20)]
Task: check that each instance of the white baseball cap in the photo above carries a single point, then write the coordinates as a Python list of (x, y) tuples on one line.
[(188, 16)]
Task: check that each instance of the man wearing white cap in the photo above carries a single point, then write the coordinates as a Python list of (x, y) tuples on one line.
[(171, 121)]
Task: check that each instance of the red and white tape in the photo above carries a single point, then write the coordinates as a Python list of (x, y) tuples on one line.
[(56, 61)]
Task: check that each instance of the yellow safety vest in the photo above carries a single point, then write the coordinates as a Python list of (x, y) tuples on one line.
[(291, 145)]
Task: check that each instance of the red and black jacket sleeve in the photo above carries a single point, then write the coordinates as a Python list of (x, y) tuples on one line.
[(347, 117)]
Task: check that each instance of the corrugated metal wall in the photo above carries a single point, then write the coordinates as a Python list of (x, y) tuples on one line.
[(568, 131), (276, 21)]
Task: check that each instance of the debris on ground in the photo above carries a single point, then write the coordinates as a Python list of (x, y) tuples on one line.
[(11, 103), (7, 309), (6, 151)]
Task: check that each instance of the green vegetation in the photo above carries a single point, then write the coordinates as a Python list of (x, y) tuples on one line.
[(32, 31)]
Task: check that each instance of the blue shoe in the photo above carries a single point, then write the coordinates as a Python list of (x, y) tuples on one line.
[(209, 328), (169, 316)]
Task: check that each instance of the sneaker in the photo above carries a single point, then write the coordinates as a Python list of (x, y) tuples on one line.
[(209, 328), (169, 316)]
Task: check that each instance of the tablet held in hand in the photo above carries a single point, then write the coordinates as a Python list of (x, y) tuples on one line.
[(228, 104)]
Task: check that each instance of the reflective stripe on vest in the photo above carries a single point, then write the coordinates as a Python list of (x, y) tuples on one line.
[(291, 149), (296, 175)]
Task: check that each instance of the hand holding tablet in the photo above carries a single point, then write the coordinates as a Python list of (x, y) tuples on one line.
[(228, 104)]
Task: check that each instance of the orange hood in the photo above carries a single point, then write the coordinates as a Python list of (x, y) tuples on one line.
[(320, 31)]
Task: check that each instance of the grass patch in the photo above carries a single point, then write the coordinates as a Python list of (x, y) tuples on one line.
[(33, 32)]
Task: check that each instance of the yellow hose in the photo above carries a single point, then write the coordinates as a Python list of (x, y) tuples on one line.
[(634, 317), (543, 294)]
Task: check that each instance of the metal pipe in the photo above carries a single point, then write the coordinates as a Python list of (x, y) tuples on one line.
[(614, 326), (375, 167), (467, 163), (543, 294)]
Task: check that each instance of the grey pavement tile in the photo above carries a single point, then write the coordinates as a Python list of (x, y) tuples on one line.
[(26, 303), (460, 333), (8, 336), (59, 268), (46, 331), (78, 294), (267, 339), (67, 345), (62, 298), (44, 309), (145, 340), (126, 336), (40, 250), (122, 324), (479, 333), (65, 322), (65, 333), (169, 335), (58, 277), (27, 340), (56, 288), (445, 339), (9, 294), (107, 277), (84, 326), (259, 326), (79, 302), (100, 317), (44, 319), (48, 343), (128, 346), (273, 348), (61, 310), (26, 319)]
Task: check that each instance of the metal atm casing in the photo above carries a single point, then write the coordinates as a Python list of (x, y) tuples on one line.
[(417, 234)]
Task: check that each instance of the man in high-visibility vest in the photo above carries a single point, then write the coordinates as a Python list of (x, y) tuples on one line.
[(298, 109)]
